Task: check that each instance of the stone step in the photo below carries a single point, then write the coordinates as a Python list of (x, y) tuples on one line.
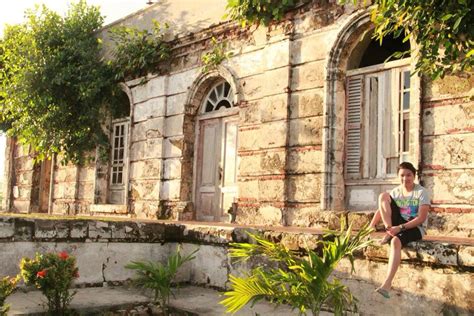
[(456, 224)]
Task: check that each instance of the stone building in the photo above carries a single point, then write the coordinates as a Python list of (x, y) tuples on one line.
[(305, 118), (305, 122)]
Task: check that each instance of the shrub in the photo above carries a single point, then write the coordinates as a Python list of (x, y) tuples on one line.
[(302, 282), (52, 274), (157, 276), (7, 287)]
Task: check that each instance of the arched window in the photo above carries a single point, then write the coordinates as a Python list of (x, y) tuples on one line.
[(378, 108), (381, 126), (219, 97)]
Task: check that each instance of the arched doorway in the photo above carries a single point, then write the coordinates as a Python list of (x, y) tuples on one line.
[(216, 153)]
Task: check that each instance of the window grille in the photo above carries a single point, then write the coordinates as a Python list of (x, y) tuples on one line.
[(119, 141), (220, 97)]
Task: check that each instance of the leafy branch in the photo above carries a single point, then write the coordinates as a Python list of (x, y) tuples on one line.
[(216, 56), (441, 29), (301, 282), (138, 52), (259, 11)]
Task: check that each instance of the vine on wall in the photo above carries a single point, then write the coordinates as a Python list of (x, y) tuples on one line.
[(259, 11), (216, 56), (138, 52)]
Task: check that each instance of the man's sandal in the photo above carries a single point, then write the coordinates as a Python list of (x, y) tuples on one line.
[(383, 292)]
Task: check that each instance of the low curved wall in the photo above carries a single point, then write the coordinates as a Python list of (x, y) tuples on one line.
[(436, 277)]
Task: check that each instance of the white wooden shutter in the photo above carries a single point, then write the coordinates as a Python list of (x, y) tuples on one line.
[(354, 124), (390, 123)]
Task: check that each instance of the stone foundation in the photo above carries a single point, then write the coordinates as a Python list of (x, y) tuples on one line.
[(435, 278)]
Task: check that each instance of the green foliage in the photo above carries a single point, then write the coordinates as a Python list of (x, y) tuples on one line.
[(301, 282), (216, 56), (138, 52), (53, 83), (443, 31), (7, 287), (157, 276), (53, 275), (259, 11)]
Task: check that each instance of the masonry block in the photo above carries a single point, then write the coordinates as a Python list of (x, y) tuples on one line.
[(145, 169), (438, 120), (306, 131), (151, 128), (304, 188), (172, 168), (265, 84), (308, 76), (307, 103), (305, 161), (451, 186), (153, 88), (312, 47), (248, 189), (151, 148), (98, 230), (7, 227), (51, 229), (174, 125), (271, 190), (149, 109), (449, 86), (455, 151), (175, 104), (466, 256), (145, 190)]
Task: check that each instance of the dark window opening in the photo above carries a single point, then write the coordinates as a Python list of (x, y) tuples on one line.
[(376, 54)]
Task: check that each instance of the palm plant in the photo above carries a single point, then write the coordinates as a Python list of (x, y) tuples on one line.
[(158, 277), (302, 282)]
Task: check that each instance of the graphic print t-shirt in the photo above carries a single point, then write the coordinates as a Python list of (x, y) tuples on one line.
[(410, 203)]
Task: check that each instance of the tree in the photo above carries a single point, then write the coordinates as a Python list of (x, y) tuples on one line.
[(54, 87), (442, 29)]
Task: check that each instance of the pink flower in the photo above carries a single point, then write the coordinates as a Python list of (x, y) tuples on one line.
[(41, 274), (63, 255)]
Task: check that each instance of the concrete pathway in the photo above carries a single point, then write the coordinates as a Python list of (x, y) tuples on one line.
[(201, 301)]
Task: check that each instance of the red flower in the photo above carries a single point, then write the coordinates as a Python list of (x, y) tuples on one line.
[(41, 274), (76, 274), (63, 255)]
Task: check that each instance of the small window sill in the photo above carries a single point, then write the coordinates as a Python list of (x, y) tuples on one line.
[(389, 181), (109, 208)]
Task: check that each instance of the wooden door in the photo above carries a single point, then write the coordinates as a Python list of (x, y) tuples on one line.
[(216, 166), (228, 179), (45, 180)]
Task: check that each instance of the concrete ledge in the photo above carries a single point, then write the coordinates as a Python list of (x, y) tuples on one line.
[(108, 208), (443, 251)]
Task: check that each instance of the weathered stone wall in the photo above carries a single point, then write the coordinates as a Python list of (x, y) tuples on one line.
[(73, 188), (448, 144), (288, 172), (22, 179), (435, 278)]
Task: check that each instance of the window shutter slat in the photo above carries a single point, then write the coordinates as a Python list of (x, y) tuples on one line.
[(353, 136)]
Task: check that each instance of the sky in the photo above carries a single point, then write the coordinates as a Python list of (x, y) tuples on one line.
[(12, 12)]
